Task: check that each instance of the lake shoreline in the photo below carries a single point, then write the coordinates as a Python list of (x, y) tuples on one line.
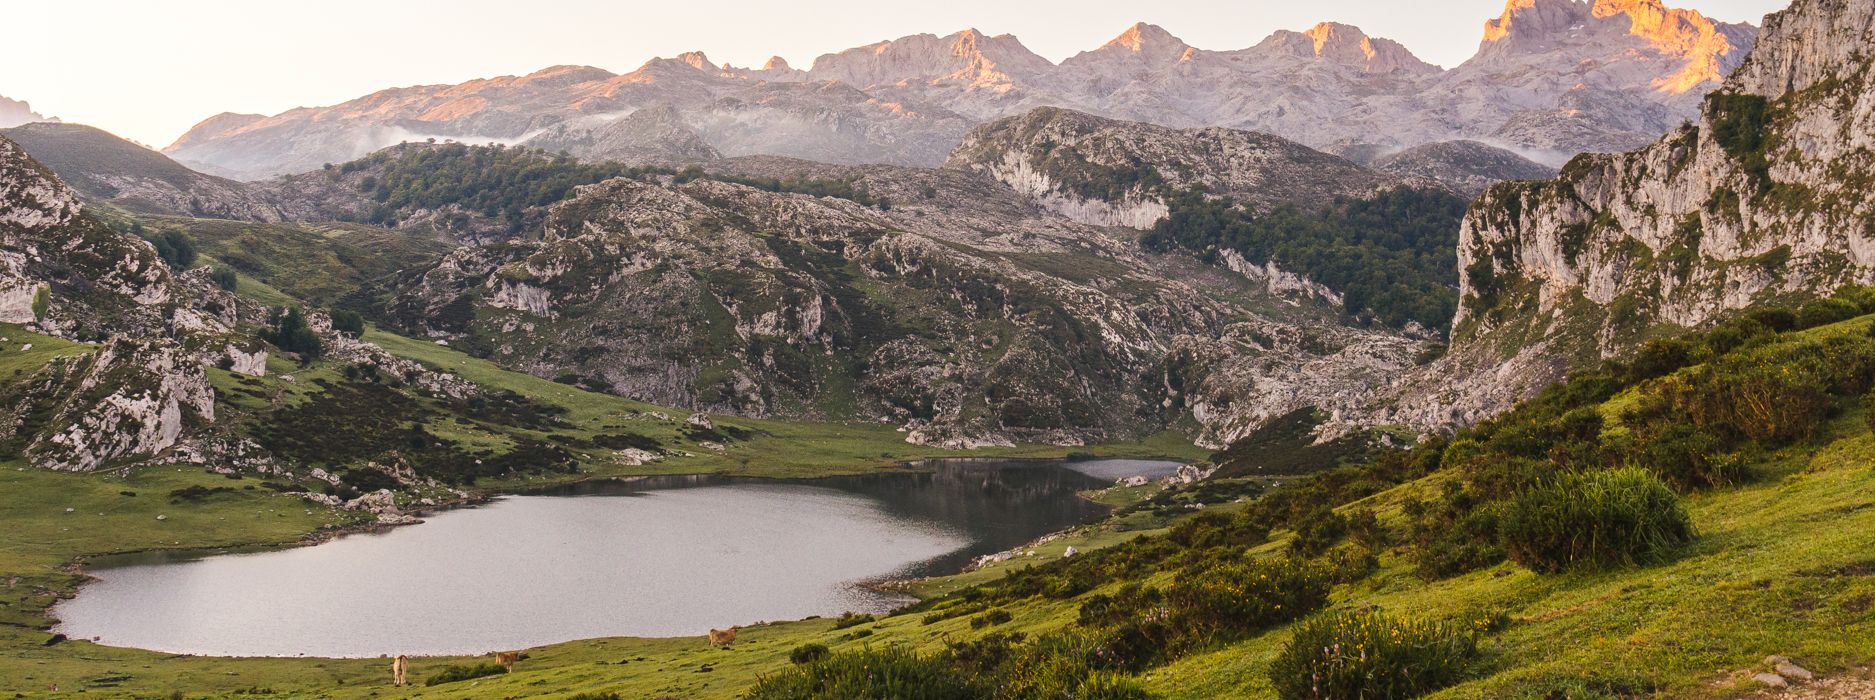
[(888, 588)]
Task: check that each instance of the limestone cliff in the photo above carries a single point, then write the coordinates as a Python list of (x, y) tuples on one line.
[(1765, 198)]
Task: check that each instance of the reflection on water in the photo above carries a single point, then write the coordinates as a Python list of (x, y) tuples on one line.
[(661, 556)]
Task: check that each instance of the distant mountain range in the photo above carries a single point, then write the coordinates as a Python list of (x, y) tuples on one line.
[(1541, 65), (14, 113)]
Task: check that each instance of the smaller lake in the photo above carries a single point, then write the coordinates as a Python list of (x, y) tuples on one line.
[(650, 557)]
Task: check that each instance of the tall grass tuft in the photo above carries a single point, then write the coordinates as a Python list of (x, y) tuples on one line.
[(1595, 520)]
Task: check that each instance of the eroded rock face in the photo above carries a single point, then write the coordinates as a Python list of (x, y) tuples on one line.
[(141, 392), (132, 398), (1566, 272), (31, 197)]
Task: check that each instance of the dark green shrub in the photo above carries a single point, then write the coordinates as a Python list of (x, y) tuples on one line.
[(288, 331), (1822, 312), (996, 666), (1737, 334), (1227, 600), (348, 322), (880, 674), (1130, 601), (1595, 520), (1364, 529), (607, 695), (1774, 318), (1371, 655), (1846, 363), (1318, 531), (1756, 395), (1216, 530), (1662, 357), (1062, 666), (994, 617), (1141, 642), (454, 674), (224, 278), (174, 248), (1863, 297), (1687, 458), (1453, 536), (848, 619), (808, 653)]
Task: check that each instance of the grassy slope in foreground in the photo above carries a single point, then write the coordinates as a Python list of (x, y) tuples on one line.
[(43, 538)]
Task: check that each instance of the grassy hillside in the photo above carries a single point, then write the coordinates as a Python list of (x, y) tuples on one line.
[(87, 157), (319, 263)]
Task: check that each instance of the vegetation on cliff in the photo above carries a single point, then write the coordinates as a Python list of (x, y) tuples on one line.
[(1391, 257)]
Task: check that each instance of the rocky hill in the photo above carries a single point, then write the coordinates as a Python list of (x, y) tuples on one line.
[(106, 168), (944, 302), (149, 359), (66, 274), (1467, 167), (1118, 173), (1554, 77), (1764, 199)]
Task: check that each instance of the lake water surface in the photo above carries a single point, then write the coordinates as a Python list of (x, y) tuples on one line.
[(660, 556)]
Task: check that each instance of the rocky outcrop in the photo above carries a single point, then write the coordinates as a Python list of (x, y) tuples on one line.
[(31, 197), (909, 100), (1467, 167), (1765, 198), (131, 399), (1115, 173)]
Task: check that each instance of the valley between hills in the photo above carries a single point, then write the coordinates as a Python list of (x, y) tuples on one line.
[(1547, 376)]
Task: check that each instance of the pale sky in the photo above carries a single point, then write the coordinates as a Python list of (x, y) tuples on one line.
[(150, 69)]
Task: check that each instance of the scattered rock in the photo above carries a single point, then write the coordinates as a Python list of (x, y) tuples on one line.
[(1793, 671), (1771, 679)]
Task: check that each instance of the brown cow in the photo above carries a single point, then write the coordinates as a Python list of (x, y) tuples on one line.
[(507, 659), (399, 667), (722, 638)]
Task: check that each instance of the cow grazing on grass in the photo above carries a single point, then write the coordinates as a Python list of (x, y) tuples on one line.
[(400, 666), (507, 659), (722, 638)]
